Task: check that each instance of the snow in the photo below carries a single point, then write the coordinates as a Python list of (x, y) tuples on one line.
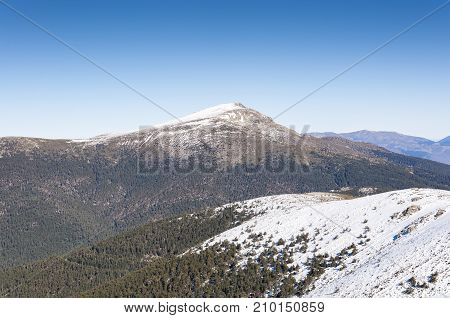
[(229, 111), (398, 235), (100, 139), (221, 127), (367, 190), (205, 114)]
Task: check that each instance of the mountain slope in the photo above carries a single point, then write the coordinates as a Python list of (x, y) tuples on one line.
[(388, 245), (318, 244), (391, 244), (95, 265), (56, 195), (445, 142), (402, 144), (91, 266)]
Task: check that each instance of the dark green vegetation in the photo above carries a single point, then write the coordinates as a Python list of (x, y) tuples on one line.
[(221, 270), (146, 262), (56, 195), (86, 268), (214, 272)]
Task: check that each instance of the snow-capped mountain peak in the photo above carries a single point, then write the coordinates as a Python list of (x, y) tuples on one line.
[(234, 114), (213, 111), (230, 112)]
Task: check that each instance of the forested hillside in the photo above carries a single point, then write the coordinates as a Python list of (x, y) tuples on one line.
[(385, 245), (87, 268), (146, 262)]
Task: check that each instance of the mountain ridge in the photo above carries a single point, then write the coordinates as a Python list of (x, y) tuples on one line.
[(445, 141), (399, 143)]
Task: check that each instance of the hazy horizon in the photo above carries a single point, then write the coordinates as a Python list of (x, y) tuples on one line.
[(298, 129), (267, 55)]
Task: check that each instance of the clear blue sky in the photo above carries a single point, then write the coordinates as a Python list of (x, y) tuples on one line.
[(188, 55)]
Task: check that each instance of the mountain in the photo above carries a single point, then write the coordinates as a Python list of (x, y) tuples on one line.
[(398, 143), (392, 244), (56, 195), (445, 142)]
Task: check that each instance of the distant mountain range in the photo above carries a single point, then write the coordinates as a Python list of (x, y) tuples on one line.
[(402, 144)]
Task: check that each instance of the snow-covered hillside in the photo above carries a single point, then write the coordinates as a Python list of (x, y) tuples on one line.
[(229, 111), (217, 126), (390, 244)]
